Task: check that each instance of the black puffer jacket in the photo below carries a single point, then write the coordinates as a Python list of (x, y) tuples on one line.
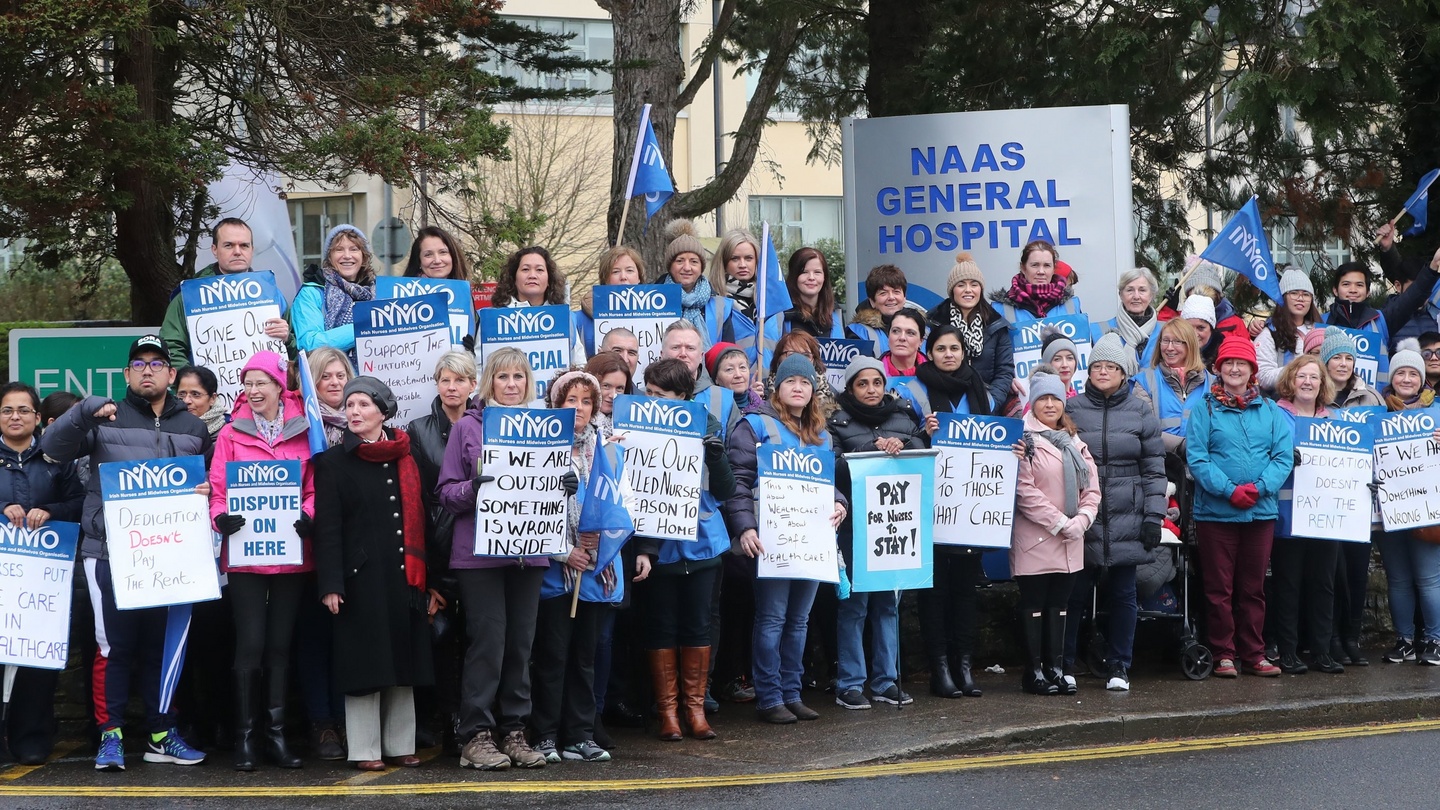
[(1123, 435), (428, 436), (996, 363), (853, 435)]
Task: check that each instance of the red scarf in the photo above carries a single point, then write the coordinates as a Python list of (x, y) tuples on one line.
[(398, 450), (1040, 296), (1229, 400)]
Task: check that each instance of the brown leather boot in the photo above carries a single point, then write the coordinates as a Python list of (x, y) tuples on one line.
[(694, 675), (664, 677)]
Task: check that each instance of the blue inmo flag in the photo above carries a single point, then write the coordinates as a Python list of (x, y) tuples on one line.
[(1242, 246)]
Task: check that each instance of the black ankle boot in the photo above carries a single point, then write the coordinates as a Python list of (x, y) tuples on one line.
[(1353, 653), (1033, 679), (941, 684), (247, 744), (967, 681), (1055, 653), (1290, 664), (276, 749)]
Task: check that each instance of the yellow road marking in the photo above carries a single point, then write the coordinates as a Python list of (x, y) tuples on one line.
[(912, 767), (371, 776), (61, 751)]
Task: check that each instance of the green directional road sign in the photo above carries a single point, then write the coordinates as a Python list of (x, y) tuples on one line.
[(87, 362)]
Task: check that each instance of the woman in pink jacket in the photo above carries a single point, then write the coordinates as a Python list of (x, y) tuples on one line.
[(266, 570), (1056, 499)]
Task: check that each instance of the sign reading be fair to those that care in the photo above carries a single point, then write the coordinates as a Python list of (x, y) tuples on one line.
[(1330, 498), (225, 316), (662, 441), (522, 512), (398, 342), (795, 499), (157, 531), (1407, 469), (35, 590), (645, 309), (542, 333), (267, 494), (975, 477)]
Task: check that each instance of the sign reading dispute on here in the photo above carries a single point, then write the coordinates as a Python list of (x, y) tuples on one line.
[(399, 341), (795, 497), (35, 588), (267, 494), (522, 512), (1330, 499), (1407, 469), (975, 477), (225, 316), (663, 454), (645, 309), (893, 499), (157, 531)]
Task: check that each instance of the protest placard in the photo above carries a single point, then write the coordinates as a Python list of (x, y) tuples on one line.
[(975, 477), (522, 512), (1367, 356), (1360, 414), (663, 457), (892, 501), (459, 304), (1407, 469), (645, 309), (1330, 494), (399, 341), (542, 333), (1027, 339), (837, 354), (267, 495), (795, 497), (35, 589), (225, 316), (158, 533)]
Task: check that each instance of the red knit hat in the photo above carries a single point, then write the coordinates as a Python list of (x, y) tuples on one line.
[(716, 354), (1236, 347), (1063, 270)]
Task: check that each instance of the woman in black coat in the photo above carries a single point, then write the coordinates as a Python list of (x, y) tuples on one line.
[(985, 334), (1123, 434), (370, 563)]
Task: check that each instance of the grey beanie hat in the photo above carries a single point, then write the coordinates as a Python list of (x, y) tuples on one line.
[(1336, 342), (1111, 349), (378, 392), (796, 365), (1407, 355), (859, 364), (1295, 280), (1046, 384), (1205, 275), (1058, 343)]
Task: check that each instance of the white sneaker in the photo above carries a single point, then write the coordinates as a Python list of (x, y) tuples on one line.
[(1070, 681), (1119, 680)]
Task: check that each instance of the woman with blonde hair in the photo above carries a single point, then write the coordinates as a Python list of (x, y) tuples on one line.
[(620, 266), (703, 303), (734, 269), (323, 311)]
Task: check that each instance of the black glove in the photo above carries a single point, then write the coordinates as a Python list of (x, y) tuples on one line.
[(469, 343), (1297, 458), (305, 526), (482, 479), (1150, 536), (571, 482), (229, 524), (714, 448)]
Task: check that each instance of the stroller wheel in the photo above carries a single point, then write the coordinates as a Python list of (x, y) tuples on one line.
[(1196, 662)]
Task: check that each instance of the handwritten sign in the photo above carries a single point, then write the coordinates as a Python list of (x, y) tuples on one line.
[(795, 496), (225, 316), (1330, 497), (663, 456), (267, 494), (893, 499), (837, 354), (1028, 337), (35, 589), (1367, 355), (542, 333), (459, 304), (645, 309), (157, 531), (975, 476), (522, 512), (1407, 469), (398, 342)]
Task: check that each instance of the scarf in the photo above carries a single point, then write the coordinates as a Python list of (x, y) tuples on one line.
[(215, 418), (582, 457), (340, 298), (1217, 390), (743, 294), (1040, 297), (1077, 473), (972, 330), (947, 387), (1134, 331), (892, 370), (335, 424), (871, 416), (269, 431), (693, 303), (413, 514)]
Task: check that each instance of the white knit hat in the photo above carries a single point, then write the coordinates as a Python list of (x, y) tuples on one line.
[(1200, 307), (1295, 280)]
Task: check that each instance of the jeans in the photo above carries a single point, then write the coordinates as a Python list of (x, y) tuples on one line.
[(782, 614), (1122, 609), (883, 611), (1412, 572), (1233, 559)]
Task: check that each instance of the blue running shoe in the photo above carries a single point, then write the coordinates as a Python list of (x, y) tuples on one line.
[(111, 756), (167, 747)]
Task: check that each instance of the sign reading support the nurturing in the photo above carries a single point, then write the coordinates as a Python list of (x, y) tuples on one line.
[(663, 458), (1407, 469), (399, 341), (975, 479), (35, 590), (645, 309), (225, 316), (1028, 338), (893, 500), (458, 301), (522, 512), (157, 531), (795, 497), (267, 494), (837, 354), (542, 333), (1330, 499)]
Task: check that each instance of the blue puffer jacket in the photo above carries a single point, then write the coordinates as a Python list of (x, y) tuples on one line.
[(29, 479), (1229, 446)]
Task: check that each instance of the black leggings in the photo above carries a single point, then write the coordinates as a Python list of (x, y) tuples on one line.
[(1042, 592), (265, 609), (948, 611), (676, 608)]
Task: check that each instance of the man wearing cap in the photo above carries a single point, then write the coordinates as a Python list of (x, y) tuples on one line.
[(233, 248), (147, 423)]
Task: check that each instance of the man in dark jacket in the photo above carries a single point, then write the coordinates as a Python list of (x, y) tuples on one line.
[(148, 423)]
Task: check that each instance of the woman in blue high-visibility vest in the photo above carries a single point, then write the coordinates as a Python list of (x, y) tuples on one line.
[(709, 309), (985, 334), (1037, 291), (807, 278), (1137, 321)]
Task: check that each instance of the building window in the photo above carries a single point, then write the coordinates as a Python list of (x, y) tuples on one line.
[(1284, 249), (589, 39), (311, 219), (796, 221)]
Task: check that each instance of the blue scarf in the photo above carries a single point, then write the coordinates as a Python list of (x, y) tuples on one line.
[(693, 303)]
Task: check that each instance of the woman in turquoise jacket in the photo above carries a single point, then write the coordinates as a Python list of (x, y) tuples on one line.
[(322, 314), (1240, 453)]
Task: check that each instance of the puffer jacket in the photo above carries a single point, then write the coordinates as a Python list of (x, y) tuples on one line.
[(29, 479), (851, 435), (996, 363), (428, 436), (136, 434), (1124, 438), (1228, 447)]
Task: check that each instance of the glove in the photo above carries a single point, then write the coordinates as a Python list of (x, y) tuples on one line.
[(1150, 536), (305, 526), (229, 524), (571, 482), (1074, 529), (469, 343), (1244, 496), (481, 479), (714, 448), (1297, 458)]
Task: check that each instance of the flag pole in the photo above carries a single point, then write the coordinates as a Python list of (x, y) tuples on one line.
[(575, 596), (760, 301), (1400, 237), (634, 169)]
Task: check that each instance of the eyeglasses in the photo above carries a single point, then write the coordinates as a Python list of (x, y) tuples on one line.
[(1171, 342), (1430, 354), (155, 365), (9, 412)]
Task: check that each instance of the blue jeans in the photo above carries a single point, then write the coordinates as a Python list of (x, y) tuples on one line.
[(1412, 572), (782, 616), (883, 610), (1119, 600)]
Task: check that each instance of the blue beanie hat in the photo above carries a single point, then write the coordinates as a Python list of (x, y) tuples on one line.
[(796, 365)]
